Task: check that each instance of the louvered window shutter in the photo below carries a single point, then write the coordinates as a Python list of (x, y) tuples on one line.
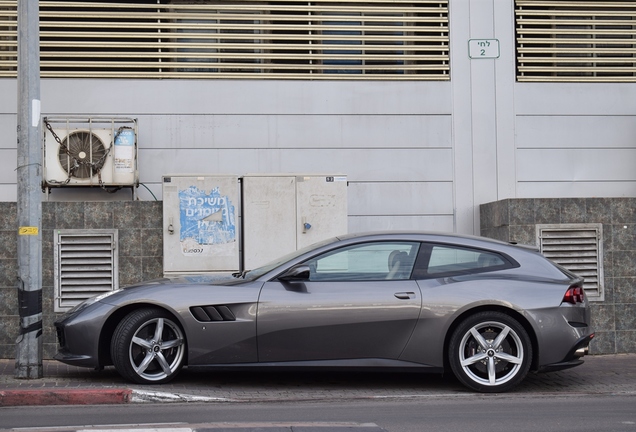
[(85, 265), (578, 248), (256, 39), (577, 41)]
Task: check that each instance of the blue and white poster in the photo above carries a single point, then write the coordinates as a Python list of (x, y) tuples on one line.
[(207, 220)]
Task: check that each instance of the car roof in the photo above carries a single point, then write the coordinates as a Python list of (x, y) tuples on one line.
[(421, 235), (441, 237)]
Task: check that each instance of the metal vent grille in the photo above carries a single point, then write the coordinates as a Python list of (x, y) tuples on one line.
[(576, 40), (85, 265), (578, 248), (255, 39)]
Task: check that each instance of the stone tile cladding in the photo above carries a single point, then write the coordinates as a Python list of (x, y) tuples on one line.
[(614, 319), (139, 225)]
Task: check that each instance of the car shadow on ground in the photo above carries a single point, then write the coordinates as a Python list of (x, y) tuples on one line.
[(270, 383)]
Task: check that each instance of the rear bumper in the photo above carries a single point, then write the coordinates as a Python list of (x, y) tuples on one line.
[(573, 358)]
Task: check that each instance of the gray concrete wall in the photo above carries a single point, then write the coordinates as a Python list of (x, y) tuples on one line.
[(614, 318)]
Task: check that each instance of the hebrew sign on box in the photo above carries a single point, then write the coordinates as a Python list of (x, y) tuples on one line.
[(207, 222)]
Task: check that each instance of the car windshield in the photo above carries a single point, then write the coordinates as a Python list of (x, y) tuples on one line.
[(260, 271)]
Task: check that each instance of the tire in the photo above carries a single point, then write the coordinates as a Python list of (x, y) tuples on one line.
[(148, 347), (490, 352)]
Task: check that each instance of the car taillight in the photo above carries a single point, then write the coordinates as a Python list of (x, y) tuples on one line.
[(574, 295)]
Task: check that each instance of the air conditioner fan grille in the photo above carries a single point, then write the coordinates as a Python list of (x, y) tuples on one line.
[(82, 154)]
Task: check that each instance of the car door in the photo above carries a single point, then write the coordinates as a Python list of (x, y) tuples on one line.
[(358, 302)]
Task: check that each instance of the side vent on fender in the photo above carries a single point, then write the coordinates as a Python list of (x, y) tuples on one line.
[(212, 313)]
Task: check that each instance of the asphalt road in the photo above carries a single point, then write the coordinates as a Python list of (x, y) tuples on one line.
[(599, 395), (470, 413)]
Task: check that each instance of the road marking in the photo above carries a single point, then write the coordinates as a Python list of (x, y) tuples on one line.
[(153, 397), (181, 427), (166, 429)]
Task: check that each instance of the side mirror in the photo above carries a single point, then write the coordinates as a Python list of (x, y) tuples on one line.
[(296, 273)]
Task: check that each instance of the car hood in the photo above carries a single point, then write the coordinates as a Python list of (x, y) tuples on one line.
[(198, 279)]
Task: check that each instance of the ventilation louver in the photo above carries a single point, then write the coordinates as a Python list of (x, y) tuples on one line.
[(85, 265), (578, 248)]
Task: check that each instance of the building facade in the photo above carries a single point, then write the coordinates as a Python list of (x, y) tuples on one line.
[(430, 108)]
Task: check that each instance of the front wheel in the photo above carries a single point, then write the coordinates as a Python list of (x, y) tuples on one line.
[(490, 352), (148, 347)]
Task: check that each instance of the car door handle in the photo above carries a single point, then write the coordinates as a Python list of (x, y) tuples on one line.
[(405, 295)]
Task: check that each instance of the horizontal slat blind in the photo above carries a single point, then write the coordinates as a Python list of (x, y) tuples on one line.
[(578, 249), (255, 39), (85, 265), (576, 40)]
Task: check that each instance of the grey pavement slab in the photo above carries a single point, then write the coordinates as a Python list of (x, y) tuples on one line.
[(600, 374)]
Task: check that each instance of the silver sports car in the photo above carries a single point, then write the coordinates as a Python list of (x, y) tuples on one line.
[(489, 311)]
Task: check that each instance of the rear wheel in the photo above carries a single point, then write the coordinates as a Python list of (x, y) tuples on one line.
[(490, 352), (148, 347)]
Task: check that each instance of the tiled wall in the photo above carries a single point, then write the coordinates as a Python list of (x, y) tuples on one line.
[(614, 319), (139, 225)]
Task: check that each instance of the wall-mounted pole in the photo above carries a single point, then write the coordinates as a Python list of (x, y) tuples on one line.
[(28, 362)]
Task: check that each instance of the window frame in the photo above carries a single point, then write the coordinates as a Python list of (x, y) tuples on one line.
[(420, 271), (415, 247)]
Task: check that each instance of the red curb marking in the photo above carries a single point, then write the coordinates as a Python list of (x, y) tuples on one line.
[(64, 397)]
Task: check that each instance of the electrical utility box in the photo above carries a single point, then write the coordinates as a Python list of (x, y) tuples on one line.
[(200, 223), (285, 212)]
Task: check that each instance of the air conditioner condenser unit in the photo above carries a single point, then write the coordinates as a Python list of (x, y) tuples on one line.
[(90, 152)]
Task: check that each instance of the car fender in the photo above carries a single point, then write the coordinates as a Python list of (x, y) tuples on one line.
[(454, 299), (210, 341)]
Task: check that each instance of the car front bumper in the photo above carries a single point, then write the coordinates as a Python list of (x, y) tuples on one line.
[(78, 335)]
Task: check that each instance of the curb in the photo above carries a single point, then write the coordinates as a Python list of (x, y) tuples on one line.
[(142, 396), (64, 397)]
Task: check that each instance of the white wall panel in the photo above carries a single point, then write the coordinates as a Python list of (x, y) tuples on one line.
[(8, 131), (138, 97), (576, 189), (397, 222), (465, 204), (575, 98), (8, 164), (97, 194), (8, 192), (294, 131), (576, 131), (403, 198), (9, 96), (357, 164), (542, 165), (504, 25), (8, 139), (483, 109)]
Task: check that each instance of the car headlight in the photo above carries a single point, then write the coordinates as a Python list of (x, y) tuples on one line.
[(91, 301)]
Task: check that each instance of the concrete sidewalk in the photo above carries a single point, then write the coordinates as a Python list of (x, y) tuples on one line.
[(63, 384)]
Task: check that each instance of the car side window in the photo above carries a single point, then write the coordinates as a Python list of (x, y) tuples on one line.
[(365, 262), (447, 260)]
